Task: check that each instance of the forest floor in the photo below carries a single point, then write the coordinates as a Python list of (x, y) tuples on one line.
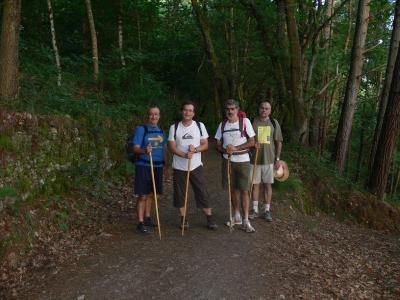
[(294, 257)]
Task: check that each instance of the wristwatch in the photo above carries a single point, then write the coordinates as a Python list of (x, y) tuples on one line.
[(277, 158)]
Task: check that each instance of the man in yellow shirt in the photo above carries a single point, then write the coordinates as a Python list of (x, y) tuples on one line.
[(269, 143)]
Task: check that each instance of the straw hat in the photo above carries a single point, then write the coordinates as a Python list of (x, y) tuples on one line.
[(283, 172)]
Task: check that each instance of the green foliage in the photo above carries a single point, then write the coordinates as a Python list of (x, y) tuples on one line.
[(6, 191)]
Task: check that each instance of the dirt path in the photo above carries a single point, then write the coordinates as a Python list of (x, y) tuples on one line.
[(294, 257)]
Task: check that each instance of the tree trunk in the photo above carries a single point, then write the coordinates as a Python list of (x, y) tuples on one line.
[(232, 54), (220, 82), (54, 42), (95, 55), (9, 47), (139, 41), (241, 80), (361, 146), (319, 101), (353, 84), (394, 46), (300, 121), (378, 176), (332, 99), (262, 27), (121, 35)]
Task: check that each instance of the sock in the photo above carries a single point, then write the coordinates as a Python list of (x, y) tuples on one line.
[(255, 206), (267, 207)]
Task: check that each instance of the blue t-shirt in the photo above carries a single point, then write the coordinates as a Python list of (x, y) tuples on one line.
[(156, 137)]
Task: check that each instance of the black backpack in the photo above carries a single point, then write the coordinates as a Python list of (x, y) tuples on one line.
[(132, 157), (176, 127)]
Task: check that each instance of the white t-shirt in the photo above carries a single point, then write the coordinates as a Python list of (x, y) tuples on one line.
[(186, 136), (233, 136)]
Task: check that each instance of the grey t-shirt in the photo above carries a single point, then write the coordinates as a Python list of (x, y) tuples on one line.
[(266, 134)]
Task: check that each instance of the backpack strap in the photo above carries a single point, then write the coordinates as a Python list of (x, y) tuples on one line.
[(176, 128), (146, 131), (242, 128), (199, 125), (177, 124), (273, 122), (223, 124)]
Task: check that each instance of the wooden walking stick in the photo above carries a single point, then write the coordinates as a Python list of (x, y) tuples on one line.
[(186, 196), (230, 194), (155, 193), (254, 173)]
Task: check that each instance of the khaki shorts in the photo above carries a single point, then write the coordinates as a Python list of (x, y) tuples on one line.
[(263, 174), (239, 175)]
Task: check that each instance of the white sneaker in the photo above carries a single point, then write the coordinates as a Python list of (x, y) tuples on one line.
[(235, 220), (247, 227)]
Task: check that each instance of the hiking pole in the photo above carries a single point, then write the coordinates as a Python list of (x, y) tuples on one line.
[(254, 173), (155, 193), (186, 196), (230, 194)]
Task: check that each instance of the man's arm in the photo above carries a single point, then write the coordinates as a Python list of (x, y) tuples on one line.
[(278, 148), (174, 149), (203, 146), (249, 144), (220, 149), (139, 150)]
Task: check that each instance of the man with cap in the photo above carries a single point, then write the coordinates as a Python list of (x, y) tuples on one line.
[(269, 144)]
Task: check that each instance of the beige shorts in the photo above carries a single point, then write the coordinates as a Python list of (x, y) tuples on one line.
[(264, 174)]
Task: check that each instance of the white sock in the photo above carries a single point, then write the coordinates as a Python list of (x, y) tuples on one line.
[(267, 207), (255, 206), (238, 216)]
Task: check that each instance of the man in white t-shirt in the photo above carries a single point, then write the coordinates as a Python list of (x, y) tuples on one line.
[(235, 136), (187, 139)]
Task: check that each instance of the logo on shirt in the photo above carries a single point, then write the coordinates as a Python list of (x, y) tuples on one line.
[(187, 136)]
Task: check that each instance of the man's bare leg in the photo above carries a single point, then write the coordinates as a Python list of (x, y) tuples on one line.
[(256, 196), (149, 202)]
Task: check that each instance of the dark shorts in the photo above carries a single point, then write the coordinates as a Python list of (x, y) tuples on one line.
[(239, 175), (198, 184), (143, 181)]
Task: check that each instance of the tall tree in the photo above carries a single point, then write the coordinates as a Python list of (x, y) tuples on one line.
[(93, 35), (9, 47), (353, 84), (296, 72), (220, 81), (378, 176), (121, 34), (54, 42), (394, 47)]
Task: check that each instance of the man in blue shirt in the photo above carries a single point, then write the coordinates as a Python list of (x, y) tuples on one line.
[(148, 138)]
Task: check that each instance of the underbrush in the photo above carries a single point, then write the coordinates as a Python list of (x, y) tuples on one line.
[(314, 185)]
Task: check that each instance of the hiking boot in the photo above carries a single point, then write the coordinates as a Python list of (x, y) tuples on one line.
[(253, 214), (186, 225), (141, 228), (247, 227), (211, 224), (268, 216), (237, 220), (149, 222)]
